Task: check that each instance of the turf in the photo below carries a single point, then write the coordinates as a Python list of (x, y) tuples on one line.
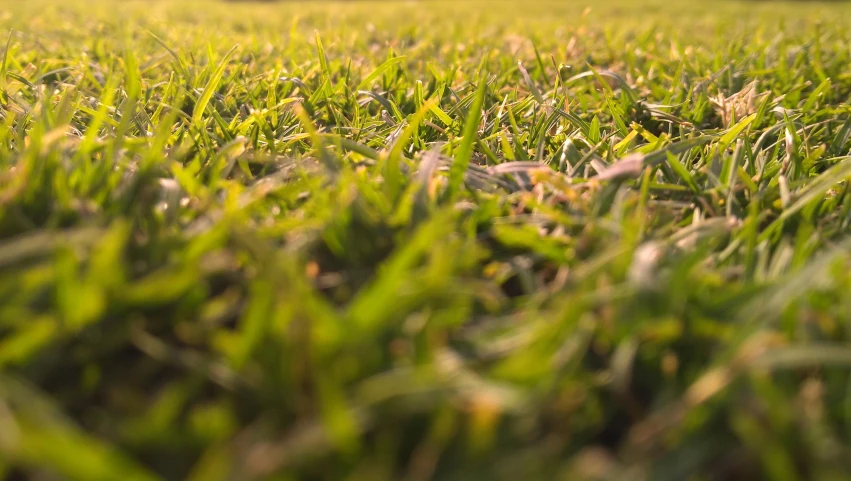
[(425, 240)]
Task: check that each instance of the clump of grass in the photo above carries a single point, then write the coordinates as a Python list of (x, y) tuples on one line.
[(424, 241)]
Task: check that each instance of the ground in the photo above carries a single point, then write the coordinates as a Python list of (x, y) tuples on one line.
[(425, 240)]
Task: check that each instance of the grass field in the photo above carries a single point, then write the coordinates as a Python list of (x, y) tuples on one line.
[(425, 241)]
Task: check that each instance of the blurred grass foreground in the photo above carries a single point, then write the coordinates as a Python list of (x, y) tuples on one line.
[(425, 241)]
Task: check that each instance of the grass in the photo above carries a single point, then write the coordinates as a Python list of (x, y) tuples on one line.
[(425, 240)]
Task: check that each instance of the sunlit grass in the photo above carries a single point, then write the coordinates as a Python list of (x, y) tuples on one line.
[(425, 240)]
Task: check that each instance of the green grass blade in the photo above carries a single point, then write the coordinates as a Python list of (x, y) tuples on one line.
[(212, 85), (464, 152)]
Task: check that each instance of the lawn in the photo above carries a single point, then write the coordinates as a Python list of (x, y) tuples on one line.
[(428, 240)]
